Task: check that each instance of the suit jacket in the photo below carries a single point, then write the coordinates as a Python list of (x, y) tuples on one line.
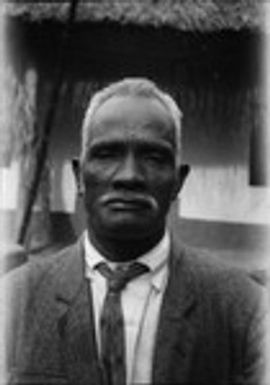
[(209, 330)]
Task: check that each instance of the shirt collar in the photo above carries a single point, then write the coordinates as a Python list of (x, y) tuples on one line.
[(156, 259)]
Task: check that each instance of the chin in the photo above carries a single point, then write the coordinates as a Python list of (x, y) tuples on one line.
[(128, 230), (127, 226)]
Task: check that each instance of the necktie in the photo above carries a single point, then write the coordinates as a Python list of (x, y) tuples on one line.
[(112, 324)]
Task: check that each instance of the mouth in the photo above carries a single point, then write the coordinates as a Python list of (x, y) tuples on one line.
[(129, 203)]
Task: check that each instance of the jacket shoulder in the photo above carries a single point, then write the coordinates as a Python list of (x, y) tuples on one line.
[(23, 281), (212, 278)]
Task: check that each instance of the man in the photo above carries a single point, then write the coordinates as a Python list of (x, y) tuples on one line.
[(181, 318)]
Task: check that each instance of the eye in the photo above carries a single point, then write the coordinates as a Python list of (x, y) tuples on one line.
[(104, 152), (155, 156), (159, 156)]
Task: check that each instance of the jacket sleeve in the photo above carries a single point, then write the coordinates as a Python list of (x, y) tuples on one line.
[(15, 295), (254, 369), (12, 299), (255, 359)]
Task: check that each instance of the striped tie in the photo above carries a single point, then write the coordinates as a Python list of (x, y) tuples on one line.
[(112, 324)]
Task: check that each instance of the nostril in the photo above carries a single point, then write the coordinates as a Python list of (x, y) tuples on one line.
[(129, 184)]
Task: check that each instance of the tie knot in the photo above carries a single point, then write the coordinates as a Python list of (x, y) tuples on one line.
[(117, 279)]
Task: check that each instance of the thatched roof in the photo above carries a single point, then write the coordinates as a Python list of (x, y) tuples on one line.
[(185, 15)]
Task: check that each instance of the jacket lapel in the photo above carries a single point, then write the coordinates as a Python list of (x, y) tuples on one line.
[(68, 327), (76, 323), (176, 330)]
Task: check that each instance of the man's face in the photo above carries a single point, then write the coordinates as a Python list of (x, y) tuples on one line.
[(129, 172)]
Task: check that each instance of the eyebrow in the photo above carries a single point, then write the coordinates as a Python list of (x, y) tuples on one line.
[(97, 143)]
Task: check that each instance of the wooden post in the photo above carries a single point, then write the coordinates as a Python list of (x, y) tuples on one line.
[(42, 148)]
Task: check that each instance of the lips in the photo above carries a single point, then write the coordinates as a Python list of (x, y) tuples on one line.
[(127, 204), (134, 202)]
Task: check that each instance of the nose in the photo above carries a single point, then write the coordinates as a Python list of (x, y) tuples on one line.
[(129, 173)]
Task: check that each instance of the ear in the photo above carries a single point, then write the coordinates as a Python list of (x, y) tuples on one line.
[(76, 168), (181, 176)]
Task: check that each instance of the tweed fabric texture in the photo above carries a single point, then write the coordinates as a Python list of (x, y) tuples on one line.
[(211, 324)]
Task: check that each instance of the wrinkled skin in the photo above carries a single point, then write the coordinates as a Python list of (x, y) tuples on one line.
[(129, 175)]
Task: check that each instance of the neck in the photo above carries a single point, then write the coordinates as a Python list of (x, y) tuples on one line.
[(124, 250)]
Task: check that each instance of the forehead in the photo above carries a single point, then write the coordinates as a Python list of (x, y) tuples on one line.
[(136, 115)]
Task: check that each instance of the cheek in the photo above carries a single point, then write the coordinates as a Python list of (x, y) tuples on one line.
[(98, 173), (163, 188), (93, 185), (161, 179), (93, 176)]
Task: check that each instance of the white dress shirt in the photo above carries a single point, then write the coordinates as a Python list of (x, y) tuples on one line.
[(141, 302)]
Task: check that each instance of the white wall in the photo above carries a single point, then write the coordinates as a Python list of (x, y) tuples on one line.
[(223, 194)]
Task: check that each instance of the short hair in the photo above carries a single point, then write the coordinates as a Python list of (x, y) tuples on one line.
[(141, 87)]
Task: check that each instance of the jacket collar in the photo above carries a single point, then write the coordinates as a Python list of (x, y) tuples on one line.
[(70, 273)]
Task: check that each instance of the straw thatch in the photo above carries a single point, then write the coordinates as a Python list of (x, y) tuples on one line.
[(185, 15)]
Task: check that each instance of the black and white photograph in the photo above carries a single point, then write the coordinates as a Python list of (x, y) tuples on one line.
[(134, 192)]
